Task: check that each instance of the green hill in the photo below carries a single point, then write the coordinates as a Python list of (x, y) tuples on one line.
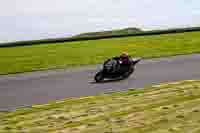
[(127, 32), (110, 33)]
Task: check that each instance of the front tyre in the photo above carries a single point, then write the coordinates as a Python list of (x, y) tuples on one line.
[(131, 71), (127, 74), (98, 77)]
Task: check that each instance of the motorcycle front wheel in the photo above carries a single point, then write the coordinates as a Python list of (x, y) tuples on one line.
[(127, 74)]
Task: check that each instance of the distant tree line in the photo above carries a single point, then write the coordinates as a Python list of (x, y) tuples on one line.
[(101, 35)]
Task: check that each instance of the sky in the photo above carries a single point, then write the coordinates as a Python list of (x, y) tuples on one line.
[(39, 19)]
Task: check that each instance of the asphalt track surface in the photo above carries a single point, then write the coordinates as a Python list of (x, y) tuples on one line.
[(45, 86)]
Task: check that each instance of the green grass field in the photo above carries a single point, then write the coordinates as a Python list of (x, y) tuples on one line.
[(62, 55), (165, 108)]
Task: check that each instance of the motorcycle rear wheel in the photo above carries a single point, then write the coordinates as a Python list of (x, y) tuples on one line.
[(98, 77)]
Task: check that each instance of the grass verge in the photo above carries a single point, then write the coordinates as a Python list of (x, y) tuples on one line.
[(68, 54), (168, 108)]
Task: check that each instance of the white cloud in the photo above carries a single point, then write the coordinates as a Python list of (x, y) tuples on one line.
[(42, 18)]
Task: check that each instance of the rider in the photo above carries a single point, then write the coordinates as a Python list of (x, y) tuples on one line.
[(124, 58), (124, 61)]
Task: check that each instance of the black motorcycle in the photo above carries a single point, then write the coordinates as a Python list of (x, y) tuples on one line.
[(112, 69)]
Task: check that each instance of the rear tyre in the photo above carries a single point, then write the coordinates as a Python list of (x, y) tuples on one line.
[(98, 77)]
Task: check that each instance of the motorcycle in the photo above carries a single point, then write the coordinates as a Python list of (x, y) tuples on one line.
[(112, 70)]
